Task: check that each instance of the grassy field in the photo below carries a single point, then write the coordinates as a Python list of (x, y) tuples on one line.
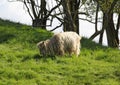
[(20, 63)]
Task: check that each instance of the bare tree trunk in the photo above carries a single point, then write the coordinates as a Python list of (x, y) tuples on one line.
[(39, 23), (103, 28), (108, 25), (40, 19), (75, 14), (71, 20), (96, 17), (96, 22), (117, 29), (112, 38), (101, 38)]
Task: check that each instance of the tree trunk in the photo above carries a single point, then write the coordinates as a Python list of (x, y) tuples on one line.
[(101, 38), (96, 23), (39, 15), (71, 20), (39, 23), (117, 28), (75, 14), (103, 28), (112, 38)]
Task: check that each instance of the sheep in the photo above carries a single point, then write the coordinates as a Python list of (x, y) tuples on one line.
[(61, 44)]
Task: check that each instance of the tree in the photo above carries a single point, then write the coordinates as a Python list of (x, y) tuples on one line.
[(37, 9), (71, 18), (68, 15), (67, 12), (108, 23), (108, 7)]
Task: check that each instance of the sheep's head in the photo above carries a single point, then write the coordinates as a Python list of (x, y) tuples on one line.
[(42, 47)]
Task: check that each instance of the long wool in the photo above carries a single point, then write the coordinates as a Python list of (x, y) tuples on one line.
[(61, 43)]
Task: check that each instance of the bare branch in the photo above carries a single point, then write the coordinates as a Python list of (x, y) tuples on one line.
[(96, 17), (87, 20), (53, 9), (95, 34), (56, 27), (28, 9), (83, 13)]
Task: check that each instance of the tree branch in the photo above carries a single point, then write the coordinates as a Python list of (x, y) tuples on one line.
[(56, 27), (53, 9), (95, 34), (96, 17), (28, 9), (87, 20), (112, 5)]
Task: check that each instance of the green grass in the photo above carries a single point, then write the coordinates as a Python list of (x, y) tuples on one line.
[(20, 63)]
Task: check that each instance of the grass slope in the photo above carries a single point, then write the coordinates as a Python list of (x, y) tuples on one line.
[(20, 63)]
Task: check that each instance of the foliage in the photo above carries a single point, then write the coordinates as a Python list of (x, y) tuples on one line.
[(117, 7), (106, 5), (20, 63)]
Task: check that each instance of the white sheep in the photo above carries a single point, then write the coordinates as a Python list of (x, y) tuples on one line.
[(60, 44)]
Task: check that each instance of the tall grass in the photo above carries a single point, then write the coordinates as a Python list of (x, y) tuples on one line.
[(20, 63)]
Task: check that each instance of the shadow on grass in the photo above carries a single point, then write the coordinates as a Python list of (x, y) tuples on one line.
[(88, 44), (4, 36), (38, 57), (35, 35), (8, 23)]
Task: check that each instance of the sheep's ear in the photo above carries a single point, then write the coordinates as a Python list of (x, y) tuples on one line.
[(44, 43), (38, 44)]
